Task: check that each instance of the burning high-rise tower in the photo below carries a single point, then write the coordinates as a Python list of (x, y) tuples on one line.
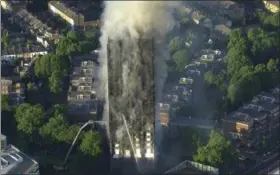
[(131, 101)]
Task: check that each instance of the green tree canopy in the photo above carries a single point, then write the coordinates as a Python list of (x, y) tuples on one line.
[(68, 46), (5, 39), (5, 102), (59, 109), (29, 118), (91, 144), (218, 152), (244, 89), (262, 45), (55, 82), (217, 80), (271, 65), (175, 44), (59, 130), (243, 71), (182, 58)]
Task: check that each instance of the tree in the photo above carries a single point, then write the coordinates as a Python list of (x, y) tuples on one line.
[(237, 56), (5, 39), (218, 152), (73, 35), (182, 59), (234, 38), (31, 86), (244, 89), (271, 65), (243, 71), (68, 46), (4, 102), (262, 45), (209, 77), (87, 46), (29, 118), (90, 35), (215, 80), (91, 144), (59, 109), (55, 82), (175, 44)]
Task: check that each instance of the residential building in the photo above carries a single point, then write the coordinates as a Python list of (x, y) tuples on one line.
[(255, 120), (197, 17), (82, 102), (13, 161), (10, 4), (43, 40), (164, 113), (122, 102), (65, 12), (22, 51), (190, 167), (35, 26), (232, 10), (14, 90), (183, 92), (207, 23), (272, 5), (237, 125)]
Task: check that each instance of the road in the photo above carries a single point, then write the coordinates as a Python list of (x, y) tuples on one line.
[(194, 122)]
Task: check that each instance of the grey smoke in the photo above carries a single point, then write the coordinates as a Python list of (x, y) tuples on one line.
[(128, 21)]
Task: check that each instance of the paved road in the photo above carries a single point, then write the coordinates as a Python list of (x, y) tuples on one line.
[(194, 122)]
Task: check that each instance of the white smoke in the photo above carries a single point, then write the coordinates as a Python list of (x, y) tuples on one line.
[(127, 20)]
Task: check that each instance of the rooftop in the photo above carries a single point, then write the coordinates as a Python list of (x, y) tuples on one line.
[(269, 96), (64, 8), (267, 106), (13, 161), (238, 117), (276, 3), (22, 49), (252, 112), (223, 29)]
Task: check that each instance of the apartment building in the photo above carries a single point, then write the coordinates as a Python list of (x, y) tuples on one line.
[(272, 5), (238, 125), (14, 90), (21, 50), (73, 18), (164, 113), (256, 119), (82, 95), (13, 161)]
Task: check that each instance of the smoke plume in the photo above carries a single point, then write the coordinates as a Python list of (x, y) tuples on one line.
[(128, 21)]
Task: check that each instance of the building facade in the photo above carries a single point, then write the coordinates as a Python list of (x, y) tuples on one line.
[(82, 101), (13, 161), (72, 17), (14, 90), (273, 6), (131, 101)]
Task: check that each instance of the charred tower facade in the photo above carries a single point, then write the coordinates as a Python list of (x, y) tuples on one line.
[(131, 102)]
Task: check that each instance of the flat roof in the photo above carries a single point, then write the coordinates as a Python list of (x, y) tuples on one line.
[(63, 8), (18, 162)]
